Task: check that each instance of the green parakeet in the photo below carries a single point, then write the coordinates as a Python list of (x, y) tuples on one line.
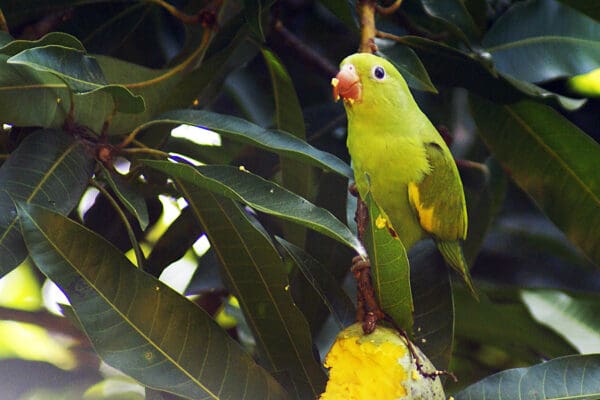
[(400, 157)]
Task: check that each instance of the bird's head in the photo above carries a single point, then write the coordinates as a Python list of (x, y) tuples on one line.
[(366, 80)]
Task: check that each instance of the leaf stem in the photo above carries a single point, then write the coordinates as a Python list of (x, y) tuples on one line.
[(139, 256)]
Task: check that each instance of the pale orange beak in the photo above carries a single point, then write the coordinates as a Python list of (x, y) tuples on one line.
[(346, 85)]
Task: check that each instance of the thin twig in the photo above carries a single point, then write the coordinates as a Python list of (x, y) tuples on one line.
[(139, 256), (390, 9), (174, 11), (146, 150), (304, 51), (366, 12), (3, 24)]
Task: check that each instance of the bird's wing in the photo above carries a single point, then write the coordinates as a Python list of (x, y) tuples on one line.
[(438, 199)]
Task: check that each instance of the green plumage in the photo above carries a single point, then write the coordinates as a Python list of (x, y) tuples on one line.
[(399, 156)]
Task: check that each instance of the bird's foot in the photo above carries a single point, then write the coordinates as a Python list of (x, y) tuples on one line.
[(368, 311)]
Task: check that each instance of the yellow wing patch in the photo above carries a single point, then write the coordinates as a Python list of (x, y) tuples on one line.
[(425, 214)]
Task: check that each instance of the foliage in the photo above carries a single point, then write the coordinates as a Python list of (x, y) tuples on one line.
[(90, 92)]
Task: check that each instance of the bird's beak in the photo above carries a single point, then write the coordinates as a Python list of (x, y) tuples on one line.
[(346, 85)]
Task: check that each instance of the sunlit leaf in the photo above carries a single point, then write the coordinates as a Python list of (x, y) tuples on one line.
[(573, 317), (138, 324), (236, 128), (262, 195)]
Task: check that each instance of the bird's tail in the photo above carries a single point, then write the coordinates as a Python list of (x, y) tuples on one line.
[(453, 255)]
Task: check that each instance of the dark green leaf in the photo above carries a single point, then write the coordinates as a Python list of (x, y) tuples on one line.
[(455, 16), (131, 198), (49, 169), (433, 327), (541, 40), (512, 328), (282, 143), (565, 378), (485, 189), (590, 8), (552, 160), (253, 270), (324, 284), (174, 242), (573, 317), (333, 256), (295, 175), (473, 71), (390, 270), (343, 9), (80, 72), (407, 62), (253, 10), (262, 195), (124, 312), (53, 38)]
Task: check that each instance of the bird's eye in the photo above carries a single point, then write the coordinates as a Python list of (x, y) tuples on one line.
[(378, 72)]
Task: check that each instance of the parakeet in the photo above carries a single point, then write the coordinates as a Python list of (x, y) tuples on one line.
[(400, 157)]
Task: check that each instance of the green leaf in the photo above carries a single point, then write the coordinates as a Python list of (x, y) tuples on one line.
[(125, 311), (571, 377), (131, 198), (433, 326), (49, 169), (174, 242), (253, 270), (552, 160), (485, 189), (262, 195), (295, 175), (53, 38), (241, 130), (503, 321), (335, 258), (253, 10), (80, 72), (324, 284), (411, 68), (474, 71), (590, 8), (573, 317), (343, 9), (541, 40), (455, 16), (390, 271)]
